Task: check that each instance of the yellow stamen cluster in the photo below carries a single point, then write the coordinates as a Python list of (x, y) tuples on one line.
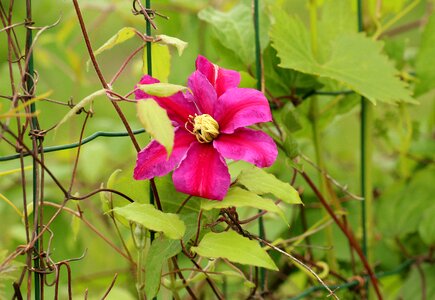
[(205, 128)]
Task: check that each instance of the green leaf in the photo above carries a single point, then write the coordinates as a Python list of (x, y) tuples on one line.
[(122, 181), (284, 82), (85, 101), (123, 35), (235, 30), (171, 199), (75, 226), (401, 207), (156, 122), (426, 227), (238, 197), (260, 182), (411, 288), (338, 17), (425, 61), (162, 89), (172, 41), (354, 60), (291, 147), (161, 250), (151, 218), (161, 62), (235, 248), (290, 119)]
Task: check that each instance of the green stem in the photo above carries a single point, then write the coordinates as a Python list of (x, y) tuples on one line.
[(367, 222), (366, 175), (259, 74), (140, 237), (150, 72), (314, 116), (396, 18)]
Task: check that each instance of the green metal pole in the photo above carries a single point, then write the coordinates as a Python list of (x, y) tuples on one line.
[(259, 76), (149, 72), (34, 126)]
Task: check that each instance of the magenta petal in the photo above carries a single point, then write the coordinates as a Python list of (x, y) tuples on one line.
[(204, 93), (177, 106), (249, 145), (152, 160), (221, 79), (240, 107), (203, 172)]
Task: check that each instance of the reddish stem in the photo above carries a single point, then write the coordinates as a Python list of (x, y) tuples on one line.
[(346, 232)]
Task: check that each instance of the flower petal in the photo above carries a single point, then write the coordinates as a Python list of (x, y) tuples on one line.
[(221, 79), (152, 160), (203, 172), (249, 145), (240, 107), (203, 92), (177, 106)]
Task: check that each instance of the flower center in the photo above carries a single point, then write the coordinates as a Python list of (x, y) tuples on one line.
[(205, 128)]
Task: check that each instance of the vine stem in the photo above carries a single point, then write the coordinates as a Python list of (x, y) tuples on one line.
[(100, 75), (298, 262), (346, 232), (366, 162)]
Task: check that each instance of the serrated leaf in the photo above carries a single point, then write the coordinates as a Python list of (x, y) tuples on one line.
[(156, 122), (260, 182), (354, 60), (238, 197), (85, 101), (235, 248), (161, 250), (121, 36), (425, 61), (235, 30), (162, 89), (172, 41), (161, 62), (337, 17), (153, 219)]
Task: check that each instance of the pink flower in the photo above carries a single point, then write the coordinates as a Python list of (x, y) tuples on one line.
[(209, 126)]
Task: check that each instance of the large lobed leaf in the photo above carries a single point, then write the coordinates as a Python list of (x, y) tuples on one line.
[(425, 61), (235, 30), (235, 248), (353, 60)]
